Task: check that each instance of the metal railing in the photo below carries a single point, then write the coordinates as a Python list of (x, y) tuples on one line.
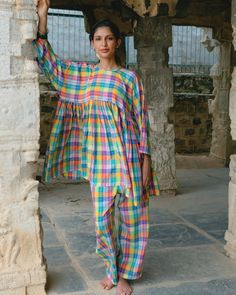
[(67, 35), (187, 55)]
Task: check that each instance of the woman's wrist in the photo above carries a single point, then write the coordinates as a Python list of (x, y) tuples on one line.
[(42, 36), (42, 27)]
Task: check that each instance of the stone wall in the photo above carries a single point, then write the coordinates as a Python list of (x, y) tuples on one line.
[(190, 115), (48, 104)]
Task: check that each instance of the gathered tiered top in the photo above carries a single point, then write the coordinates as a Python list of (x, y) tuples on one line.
[(101, 127)]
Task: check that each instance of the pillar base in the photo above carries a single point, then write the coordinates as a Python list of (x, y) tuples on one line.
[(230, 246), (17, 282)]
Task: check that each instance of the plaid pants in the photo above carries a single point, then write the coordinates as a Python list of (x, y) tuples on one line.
[(122, 251)]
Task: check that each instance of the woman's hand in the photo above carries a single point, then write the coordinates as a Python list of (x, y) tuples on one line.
[(42, 8), (146, 170)]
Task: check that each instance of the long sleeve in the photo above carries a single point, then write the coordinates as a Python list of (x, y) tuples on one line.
[(52, 66), (141, 116)]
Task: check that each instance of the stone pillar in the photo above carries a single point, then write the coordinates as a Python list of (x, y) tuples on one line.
[(219, 107), (21, 263), (152, 37), (230, 235)]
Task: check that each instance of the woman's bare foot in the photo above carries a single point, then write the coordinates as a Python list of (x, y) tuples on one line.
[(106, 283), (123, 287)]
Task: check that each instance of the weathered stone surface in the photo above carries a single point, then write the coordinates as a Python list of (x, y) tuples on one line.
[(48, 105), (152, 39), (219, 106), (230, 235), (232, 107), (151, 8), (21, 261)]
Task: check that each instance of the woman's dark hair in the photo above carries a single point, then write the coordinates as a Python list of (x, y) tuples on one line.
[(105, 23)]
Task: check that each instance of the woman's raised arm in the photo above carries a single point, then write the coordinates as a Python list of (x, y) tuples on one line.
[(63, 74), (52, 66), (42, 9)]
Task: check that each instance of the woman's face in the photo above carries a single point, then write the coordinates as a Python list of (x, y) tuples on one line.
[(105, 43)]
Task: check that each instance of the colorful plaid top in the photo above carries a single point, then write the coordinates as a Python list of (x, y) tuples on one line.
[(101, 127)]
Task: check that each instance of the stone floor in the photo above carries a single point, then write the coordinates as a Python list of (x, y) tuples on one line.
[(185, 254)]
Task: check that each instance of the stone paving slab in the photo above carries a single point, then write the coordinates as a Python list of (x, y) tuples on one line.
[(158, 216), (208, 221), (93, 266), (80, 243), (75, 223), (64, 279), (214, 287), (185, 264), (218, 234), (50, 238), (175, 235), (56, 256)]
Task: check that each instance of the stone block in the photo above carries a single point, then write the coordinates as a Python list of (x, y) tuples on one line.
[(5, 27), (189, 132), (18, 291), (23, 113), (191, 142), (184, 122), (197, 121), (35, 290), (202, 108), (6, 65), (178, 132), (179, 142), (181, 108), (191, 109)]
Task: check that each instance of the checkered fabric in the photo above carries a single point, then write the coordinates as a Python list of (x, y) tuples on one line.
[(101, 127), (123, 252)]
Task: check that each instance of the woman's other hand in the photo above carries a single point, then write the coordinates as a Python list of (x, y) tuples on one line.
[(146, 170)]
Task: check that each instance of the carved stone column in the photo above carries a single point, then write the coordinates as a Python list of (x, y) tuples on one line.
[(219, 107), (152, 37), (230, 235), (21, 263)]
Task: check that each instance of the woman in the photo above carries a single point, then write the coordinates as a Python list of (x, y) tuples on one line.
[(101, 133)]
